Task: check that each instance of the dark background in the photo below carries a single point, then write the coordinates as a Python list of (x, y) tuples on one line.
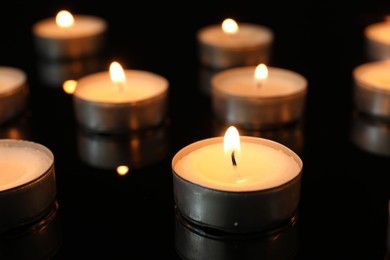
[(343, 212)]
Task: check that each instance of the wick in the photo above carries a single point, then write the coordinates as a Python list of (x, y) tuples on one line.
[(234, 159), (121, 86), (259, 83)]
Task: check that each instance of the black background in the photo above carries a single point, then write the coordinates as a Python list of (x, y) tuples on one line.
[(343, 212)]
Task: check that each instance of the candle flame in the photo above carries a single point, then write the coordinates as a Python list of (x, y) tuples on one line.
[(261, 74), (69, 86), (231, 144), (122, 170), (229, 26), (64, 19), (116, 73)]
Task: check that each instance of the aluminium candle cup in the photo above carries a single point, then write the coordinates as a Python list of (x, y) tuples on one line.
[(255, 110), (14, 92), (194, 242), (377, 41), (39, 240), (250, 46), (135, 149), (29, 201), (87, 38), (371, 90), (371, 135), (123, 116), (232, 211)]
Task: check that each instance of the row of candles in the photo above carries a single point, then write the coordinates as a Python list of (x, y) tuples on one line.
[(236, 179)]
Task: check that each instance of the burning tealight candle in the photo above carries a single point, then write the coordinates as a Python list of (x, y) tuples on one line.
[(258, 97), (231, 44), (27, 182), (372, 88), (377, 40), (69, 36), (120, 100), (13, 92), (232, 183)]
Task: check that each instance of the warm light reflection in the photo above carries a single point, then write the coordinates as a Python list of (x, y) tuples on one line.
[(69, 86), (122, 170), (229, 26), (261, 74), (231, 144), (64, 19)]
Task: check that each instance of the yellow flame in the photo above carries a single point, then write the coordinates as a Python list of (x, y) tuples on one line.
[(261, 74), (69, 86), (231, 143), (229, 26), (64, 19), (122, 170), (116, 73)]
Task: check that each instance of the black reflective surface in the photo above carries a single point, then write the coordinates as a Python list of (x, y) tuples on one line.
[(343, 211)]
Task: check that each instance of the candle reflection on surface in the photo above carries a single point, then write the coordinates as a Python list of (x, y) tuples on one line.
[(39, 240), (370, 134), (194, 242), (134, 149)]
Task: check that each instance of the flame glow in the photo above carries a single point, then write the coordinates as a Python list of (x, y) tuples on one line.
[(261, 74), (231, 143), (122, 170), (69, 86), (116, 73), (229, 26), (64, 19)]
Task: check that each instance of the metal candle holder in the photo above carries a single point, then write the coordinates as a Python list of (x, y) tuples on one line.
[(218, 54), (72, 47), (257, 112), (370, 98), (13, 101), (28, 202), (236, 212)]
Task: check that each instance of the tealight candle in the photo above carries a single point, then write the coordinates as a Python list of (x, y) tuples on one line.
[(233, 184), (121, 100), (27, 182), (13, 93), (372, 88), (231, 44), (377, 40), (69, 36), (258, 97)]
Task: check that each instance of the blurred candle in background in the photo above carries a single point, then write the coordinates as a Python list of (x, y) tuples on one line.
[(69, 36), (233, 44), (14, 92), (377, 40)]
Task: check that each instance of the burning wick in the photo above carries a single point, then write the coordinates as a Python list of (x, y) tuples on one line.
[(117, 75), (234, 159), (261, 74)]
